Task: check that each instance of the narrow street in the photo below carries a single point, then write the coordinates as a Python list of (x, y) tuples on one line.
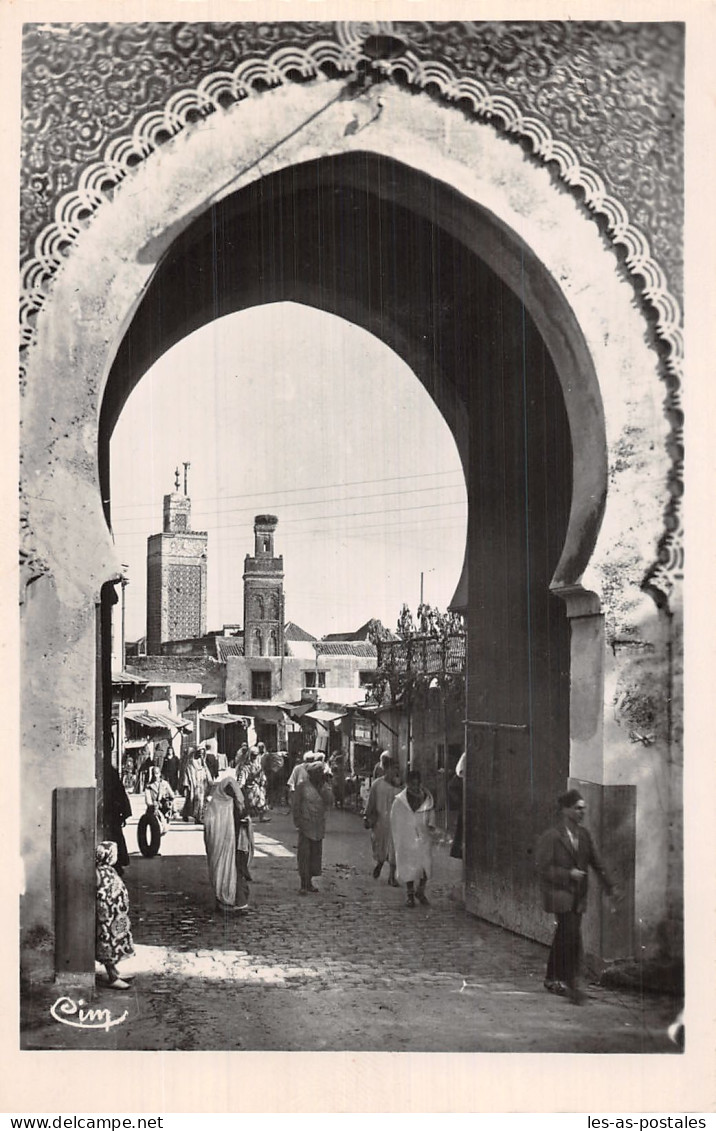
[(351, 968)]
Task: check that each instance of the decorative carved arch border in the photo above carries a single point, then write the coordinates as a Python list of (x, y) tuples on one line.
[(346, 56)]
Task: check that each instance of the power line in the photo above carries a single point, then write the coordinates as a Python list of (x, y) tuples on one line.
[(292, 490), (352, 531), (323, 502), (247, 524), (355, 529), (326, 518)]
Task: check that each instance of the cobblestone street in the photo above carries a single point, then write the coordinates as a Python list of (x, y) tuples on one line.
[(351, 968)]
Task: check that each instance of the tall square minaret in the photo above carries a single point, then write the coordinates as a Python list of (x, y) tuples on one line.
[(263, 592), (176, 574)]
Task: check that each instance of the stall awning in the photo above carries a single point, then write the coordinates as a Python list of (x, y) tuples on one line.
[(143, 715), (298, 710), (257, 709), (198, 703), (325, 718), (370, 709), (224, 719), (134, 743), (373, 712)]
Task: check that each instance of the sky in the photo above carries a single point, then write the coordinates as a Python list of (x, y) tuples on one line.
[(287, 410)]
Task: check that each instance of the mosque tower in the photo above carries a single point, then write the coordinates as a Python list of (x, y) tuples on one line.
[(263, 592), (176, 574)]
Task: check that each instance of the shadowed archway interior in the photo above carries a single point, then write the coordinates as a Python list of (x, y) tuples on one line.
[(362, 237)]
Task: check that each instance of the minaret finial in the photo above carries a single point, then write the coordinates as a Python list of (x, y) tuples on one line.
[(176, 479), (186, 476)]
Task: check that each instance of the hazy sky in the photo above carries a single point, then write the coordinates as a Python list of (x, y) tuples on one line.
[(286, 410)]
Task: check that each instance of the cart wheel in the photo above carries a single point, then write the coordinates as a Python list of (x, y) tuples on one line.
[(149, 835)]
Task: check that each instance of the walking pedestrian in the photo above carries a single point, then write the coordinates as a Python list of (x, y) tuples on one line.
[(377, 818), (118, 811), (412, 822), (145, 760), (564, 855), (456, 791), (363, 794), (170, 769), (242, 756), (312, 798), (113, 930), (212, 762), (273, 765), (252, 781), (129, 772), (228, 839), (338, 767), (298, 774), (197, 781), (382, 764)]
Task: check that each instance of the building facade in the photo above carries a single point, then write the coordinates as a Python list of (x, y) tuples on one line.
[(327, 672)]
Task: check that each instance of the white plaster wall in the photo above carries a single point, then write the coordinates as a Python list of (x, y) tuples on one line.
[(639, 749), (288, 675), (57, 730)]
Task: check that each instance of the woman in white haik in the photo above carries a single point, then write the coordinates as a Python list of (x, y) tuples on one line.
[(229, 841), (412, 822)]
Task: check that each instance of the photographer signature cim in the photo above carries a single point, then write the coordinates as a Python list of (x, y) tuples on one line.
[(70, 1012)]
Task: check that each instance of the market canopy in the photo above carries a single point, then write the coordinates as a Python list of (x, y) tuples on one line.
[(144, 715), (298, 710), (198, 702), (257, 709), (325, 718), (373, 711), (224, 718)]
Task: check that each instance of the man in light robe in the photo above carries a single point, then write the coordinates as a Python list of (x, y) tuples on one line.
[(412, 823), (312, 798), (377, 818)]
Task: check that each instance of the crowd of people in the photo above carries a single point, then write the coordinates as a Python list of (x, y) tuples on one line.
[(228, 801)]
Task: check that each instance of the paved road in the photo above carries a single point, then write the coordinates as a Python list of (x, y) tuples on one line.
[(351, 968)]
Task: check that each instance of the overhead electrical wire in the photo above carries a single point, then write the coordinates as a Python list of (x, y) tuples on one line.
[(320, 518), (259, 495)]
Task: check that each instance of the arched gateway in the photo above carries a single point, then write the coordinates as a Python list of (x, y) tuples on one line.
[(386, 193)]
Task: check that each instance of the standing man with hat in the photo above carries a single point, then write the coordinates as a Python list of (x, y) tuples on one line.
[(565, 853)]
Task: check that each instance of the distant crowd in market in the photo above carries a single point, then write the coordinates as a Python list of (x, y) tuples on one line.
[(197, 787), (198, 766), (228, 800)]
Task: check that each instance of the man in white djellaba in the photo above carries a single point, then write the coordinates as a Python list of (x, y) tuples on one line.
[(412, 822)]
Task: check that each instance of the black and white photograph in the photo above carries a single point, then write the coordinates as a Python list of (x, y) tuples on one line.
[(351, 645)]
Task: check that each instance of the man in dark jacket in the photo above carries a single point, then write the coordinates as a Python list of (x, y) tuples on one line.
[(564, 856)]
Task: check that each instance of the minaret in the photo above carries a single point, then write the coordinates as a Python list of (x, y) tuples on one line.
[(176, 574), (263, 592)]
